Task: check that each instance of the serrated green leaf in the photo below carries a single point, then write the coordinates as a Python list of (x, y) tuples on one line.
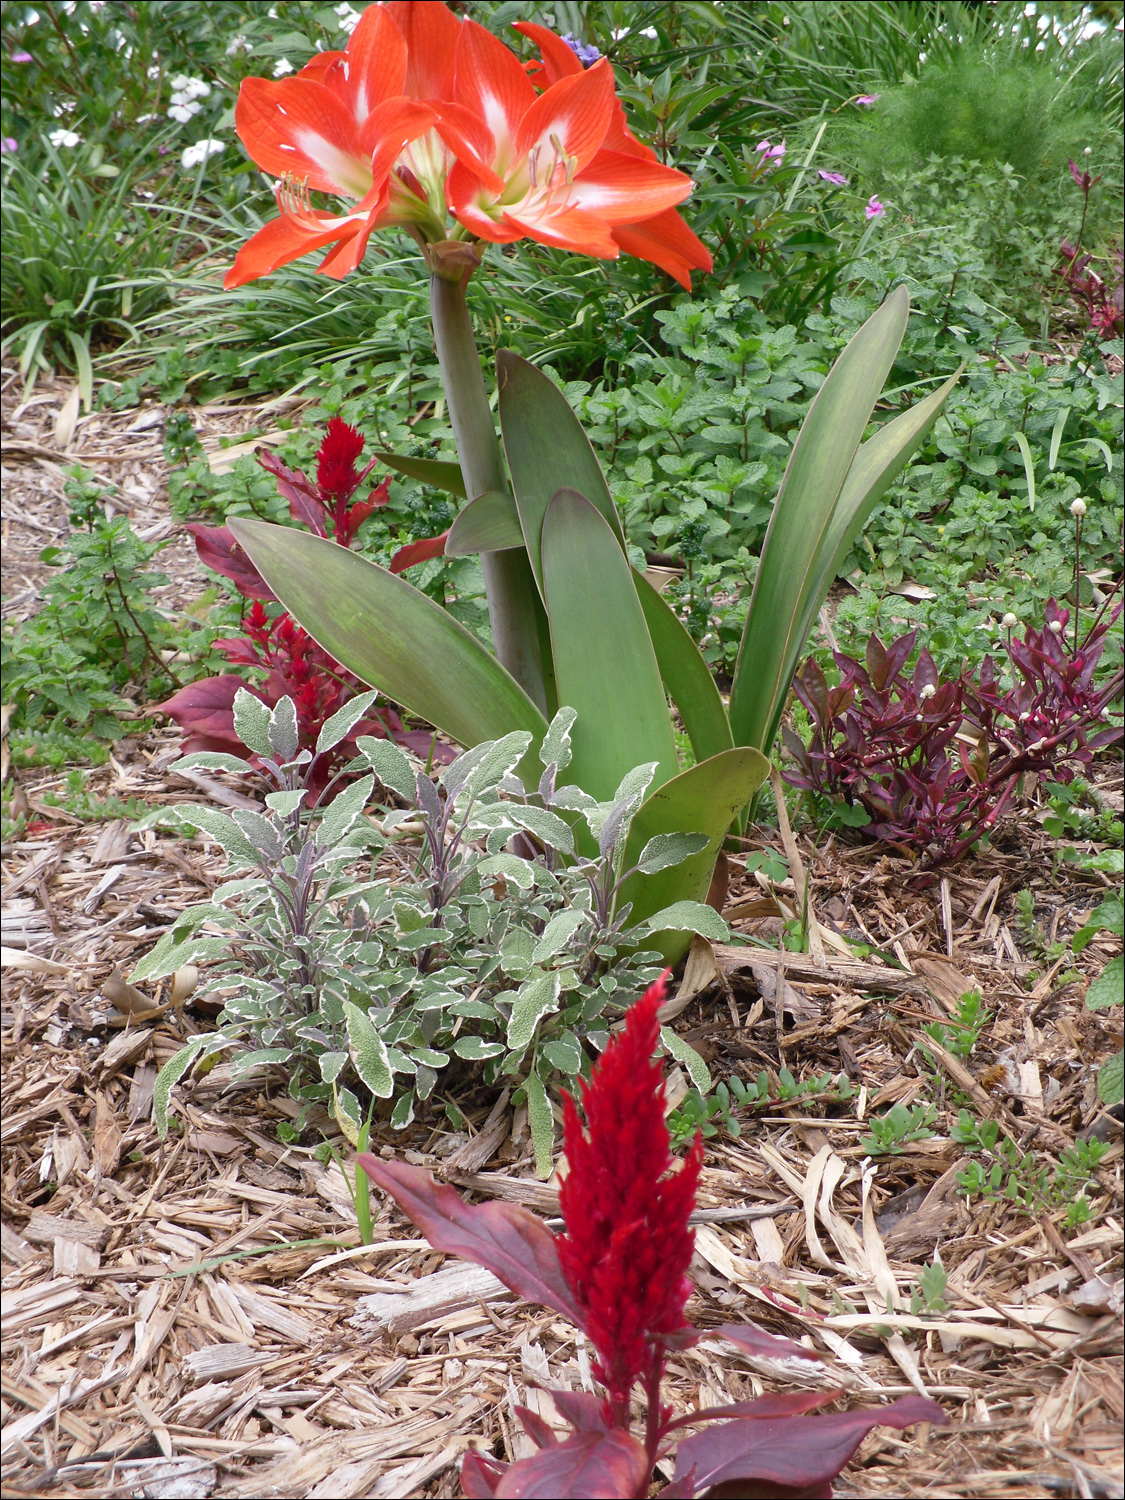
[(1111, 1080), (519, 871), (252, 723), (332, 1065), (535, 999), (556, 748), (212, 760), (343, 721), (167, 955), (222, 829), (684, 1053), (389, 764), (563, 1053), (1109, 987), (557, 934), (548, 827), (285, 803), (541, 1121), (403, 1113), (368, 1051), (342, 812), (667, 850)]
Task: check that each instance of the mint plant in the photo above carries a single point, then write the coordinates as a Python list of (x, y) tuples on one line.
[(358, 982), (619, 1273)]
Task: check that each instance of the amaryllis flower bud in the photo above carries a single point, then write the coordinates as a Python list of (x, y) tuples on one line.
[(627, 1245)]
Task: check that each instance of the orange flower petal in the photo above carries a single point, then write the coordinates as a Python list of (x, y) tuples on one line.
[(376, 62), (279, 242), (558, 60), (492, 85), (576, 111), (569, 229), (388, 128), (431, 31), (668, 242), (301, 127), (623, 189), (464, 189)]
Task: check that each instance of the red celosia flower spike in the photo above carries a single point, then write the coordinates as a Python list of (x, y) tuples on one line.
[(627, 1245), (336, 458)]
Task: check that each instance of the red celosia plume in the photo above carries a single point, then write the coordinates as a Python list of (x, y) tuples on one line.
[(627, 1245)]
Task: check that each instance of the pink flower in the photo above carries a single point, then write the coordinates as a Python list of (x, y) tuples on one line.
[(867, 100), (769, 152), (874, 208), (835, 177), (21, 57), (627, 1245)]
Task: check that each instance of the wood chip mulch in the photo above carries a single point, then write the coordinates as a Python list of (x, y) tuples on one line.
[(198, 1318)]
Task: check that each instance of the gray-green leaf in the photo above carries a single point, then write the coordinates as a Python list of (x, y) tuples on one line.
[(534, 1000), (368, 1052), (343, 721), (252, 722)]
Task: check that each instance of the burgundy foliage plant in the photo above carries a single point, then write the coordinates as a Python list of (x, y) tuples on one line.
[(619, 1272), (934, 764), (293, 664)]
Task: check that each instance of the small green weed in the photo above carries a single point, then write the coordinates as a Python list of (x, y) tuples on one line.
[(962, 1031), (898, 1128), (1023, 1178), (928, 1295), (715, 1113)]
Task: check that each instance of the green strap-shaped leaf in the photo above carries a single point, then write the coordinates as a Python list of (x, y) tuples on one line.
[(797, 536), (605, 666), (686, 676), (490, 523), (546, 451), (874, 469), (431, 471), (390, 635), (704, 799)]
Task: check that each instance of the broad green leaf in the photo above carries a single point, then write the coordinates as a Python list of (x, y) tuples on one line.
[(564, 1053), (389, 764), (168, 954), (170, 1074), (368, 1052), (690, 916), (547, 451), (490, 523), (548, 827), (252, 722), (403, 1113), (1028, 467), (519, 871), (345, 1107), (704, 799), (331, 1066), (343, 721), (390, 635), (684, 1053), (686, 676), (802, 517), (534, 1000), (669, 849), (1109, 987), (1111, 1080), (557, 934), (541, 1122), (432, 471), (605, 667), (285, 803), (499, 761)]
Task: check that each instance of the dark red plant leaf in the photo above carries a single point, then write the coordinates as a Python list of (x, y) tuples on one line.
[(587, 1466), (540, 1433), (420, 551), (205, 712), (217, 549), (680, 1489), (776, 1404), (584, 1412), (805, 1453), (750, 1489), (505, 1238), (480, 1474), (760, 1344), (305, 504)]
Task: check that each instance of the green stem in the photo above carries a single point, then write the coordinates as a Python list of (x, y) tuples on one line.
[(513, 600)]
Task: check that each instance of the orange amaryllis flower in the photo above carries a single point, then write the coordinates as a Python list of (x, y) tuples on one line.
[(346, 124), (559, 167)]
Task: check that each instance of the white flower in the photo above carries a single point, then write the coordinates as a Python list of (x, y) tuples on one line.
[(928, 691), (1078, 508), (153, 72), (189, 88), (1010, 621), (281, 67), (182, 113), (1055, 627), (239, 44), (349, 19), (648, 31), (194, 155), (64, 138)]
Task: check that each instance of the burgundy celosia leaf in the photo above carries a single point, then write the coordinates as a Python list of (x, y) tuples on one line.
[(305, 504), (540, 1432), (609, 1464), (505, 1238), (762, 1345), (217, 549), (805, 1453), (776, 1404), (480, 1474), (420, 551), (584, 1412), (627, 1245)]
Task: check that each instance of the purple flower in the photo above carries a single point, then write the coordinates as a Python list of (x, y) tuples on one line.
[(874, 207), (586, 54), (867, 99), (21, 57), (835, 177), (769, 152), (8, 143)]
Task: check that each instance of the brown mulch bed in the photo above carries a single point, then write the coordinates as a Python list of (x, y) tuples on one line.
[(171, 1326)]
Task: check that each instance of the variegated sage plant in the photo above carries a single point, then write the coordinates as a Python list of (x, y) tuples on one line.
[(381, 953)]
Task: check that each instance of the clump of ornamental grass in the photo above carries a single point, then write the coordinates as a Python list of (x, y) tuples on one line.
[(619, 1273)]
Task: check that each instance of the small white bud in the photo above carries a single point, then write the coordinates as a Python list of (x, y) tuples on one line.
[(1009, 622), (1087, 150), (1024, 718), (918, 718), (1055, 627), (928, 691), (1078, 508)]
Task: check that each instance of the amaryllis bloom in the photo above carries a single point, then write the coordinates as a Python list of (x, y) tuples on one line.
[(874, 208), (426, 116), (627, 1245)]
